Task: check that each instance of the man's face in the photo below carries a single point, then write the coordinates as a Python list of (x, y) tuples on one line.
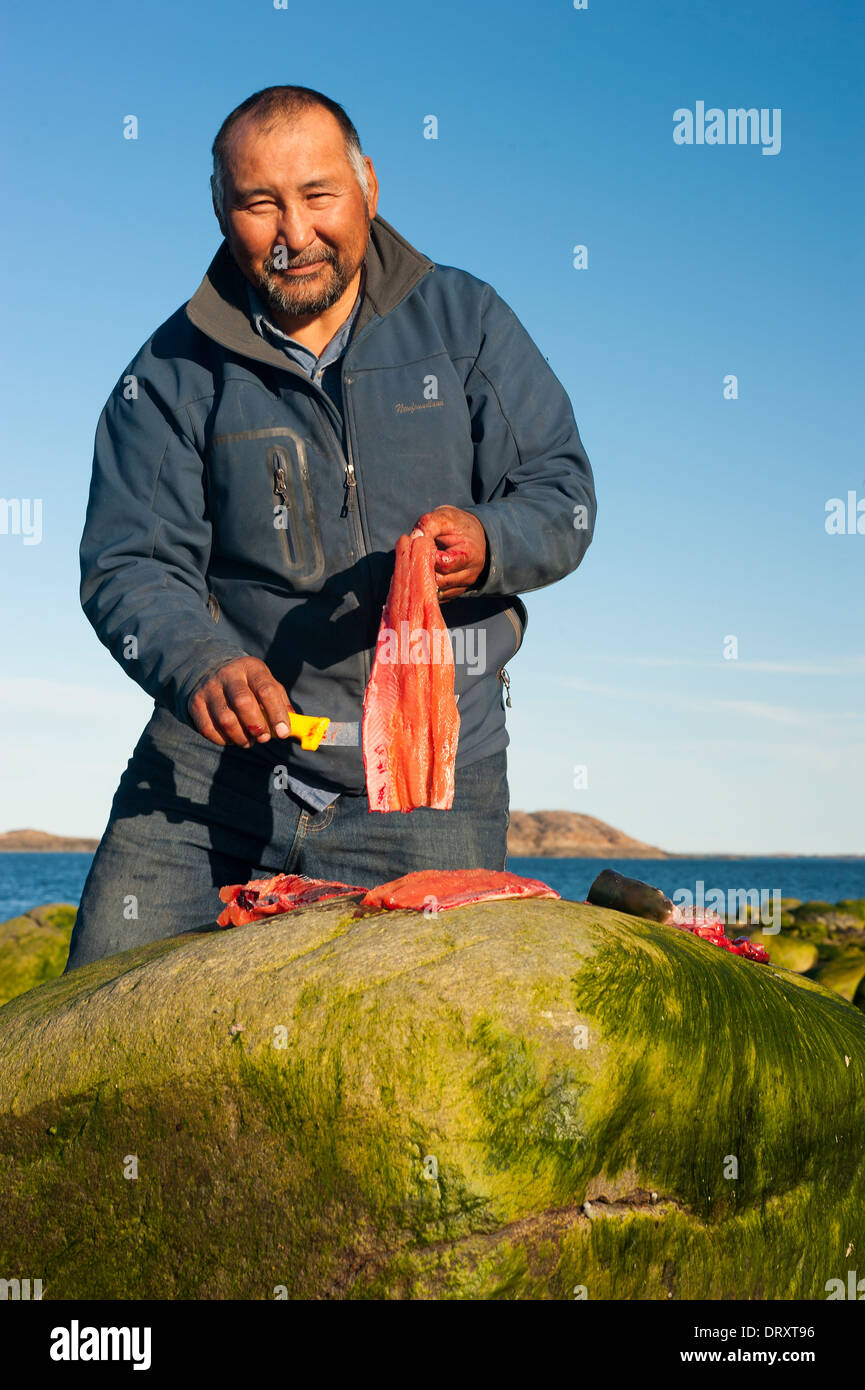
[(293, 188)]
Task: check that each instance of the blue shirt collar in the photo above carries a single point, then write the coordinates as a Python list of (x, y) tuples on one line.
[(265, 326)]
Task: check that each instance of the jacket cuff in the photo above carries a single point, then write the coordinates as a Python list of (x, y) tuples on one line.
[(187, 688), (490, 579)]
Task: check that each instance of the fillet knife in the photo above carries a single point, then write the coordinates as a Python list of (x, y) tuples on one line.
[(316, 730)]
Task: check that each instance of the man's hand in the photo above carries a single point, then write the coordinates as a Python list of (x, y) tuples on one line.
[(242, 702), (462, 543)]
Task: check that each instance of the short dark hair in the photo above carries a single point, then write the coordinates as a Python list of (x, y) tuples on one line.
[(274, 104)]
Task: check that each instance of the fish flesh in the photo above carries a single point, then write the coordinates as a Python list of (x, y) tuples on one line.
[(410, 725), (264, 897), (437, 889), (708, 926)]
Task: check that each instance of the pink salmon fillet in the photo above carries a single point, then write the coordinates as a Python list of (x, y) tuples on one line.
[(410, 726), (443, 888)]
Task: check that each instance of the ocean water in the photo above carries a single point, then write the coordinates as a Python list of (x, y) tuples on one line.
[(28, 880), (827, 880)]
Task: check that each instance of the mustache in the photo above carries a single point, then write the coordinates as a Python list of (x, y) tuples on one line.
[(270, 265)]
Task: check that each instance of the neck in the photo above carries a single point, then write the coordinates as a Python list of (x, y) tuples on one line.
[(316, 330)]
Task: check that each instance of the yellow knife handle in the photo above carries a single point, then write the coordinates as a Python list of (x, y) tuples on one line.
[(309, 728)]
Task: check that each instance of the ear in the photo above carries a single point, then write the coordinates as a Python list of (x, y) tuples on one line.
[(372, 197), (217, 210)]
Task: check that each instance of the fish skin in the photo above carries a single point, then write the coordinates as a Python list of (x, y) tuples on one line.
[(631, 895), (410, 724), (453, 888)]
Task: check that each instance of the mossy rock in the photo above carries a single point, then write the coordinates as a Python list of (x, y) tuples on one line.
[(788, 952), (844, 973), (814, 907), (514, 1100), (818, 932), (817, 920), (34, 948), (855, 907), (60, 915)]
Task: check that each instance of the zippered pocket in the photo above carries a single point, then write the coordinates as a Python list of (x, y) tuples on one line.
[(519, 631), (241, 466), (485, 641), (294, 515)]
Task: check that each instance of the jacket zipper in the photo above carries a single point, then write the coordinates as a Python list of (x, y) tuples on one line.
[(350, 476), (351, 499), (350, 505), (279, 484), (350, 484), (280, 489)]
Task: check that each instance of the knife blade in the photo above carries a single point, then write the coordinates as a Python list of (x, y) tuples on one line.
[(315, 730), (343, 734)]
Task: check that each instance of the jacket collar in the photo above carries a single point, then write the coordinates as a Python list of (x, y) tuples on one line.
[(220, 305)]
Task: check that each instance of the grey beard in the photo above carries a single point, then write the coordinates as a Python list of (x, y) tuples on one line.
[(305, 299), (302, 299)]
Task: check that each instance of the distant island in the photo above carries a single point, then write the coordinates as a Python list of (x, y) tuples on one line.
[(572, 835), (39, 841), (532, 835), (555, 834), (547, 834)]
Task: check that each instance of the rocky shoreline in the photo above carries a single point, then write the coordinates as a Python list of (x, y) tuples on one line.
[(572, 835), (532, 835), (42, 842), (548, 834)]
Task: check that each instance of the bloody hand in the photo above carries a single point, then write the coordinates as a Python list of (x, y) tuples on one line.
[(462, 545), (241, 702)]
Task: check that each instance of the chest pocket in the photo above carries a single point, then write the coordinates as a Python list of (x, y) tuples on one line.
[(263, 502), (294, 517)]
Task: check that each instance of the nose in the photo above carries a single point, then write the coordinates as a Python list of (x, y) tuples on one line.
[(295, 230)]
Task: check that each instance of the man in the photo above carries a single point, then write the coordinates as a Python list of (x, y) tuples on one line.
[(326, 389)]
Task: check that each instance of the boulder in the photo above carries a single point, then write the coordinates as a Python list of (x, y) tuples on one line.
[(34, 947), (789, 952), (530, 1099), (843, 972)]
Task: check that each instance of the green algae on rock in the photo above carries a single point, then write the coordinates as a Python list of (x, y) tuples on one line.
[(516, 1099), (843, 972), (34, 947), (824, 941)]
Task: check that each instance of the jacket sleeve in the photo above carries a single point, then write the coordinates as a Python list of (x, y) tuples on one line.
[(146, 547), (532, 474)]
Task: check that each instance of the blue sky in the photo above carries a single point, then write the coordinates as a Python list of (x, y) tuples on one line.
[(555, 129)]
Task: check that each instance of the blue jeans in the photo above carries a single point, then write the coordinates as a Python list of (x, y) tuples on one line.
[(189, 817)]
